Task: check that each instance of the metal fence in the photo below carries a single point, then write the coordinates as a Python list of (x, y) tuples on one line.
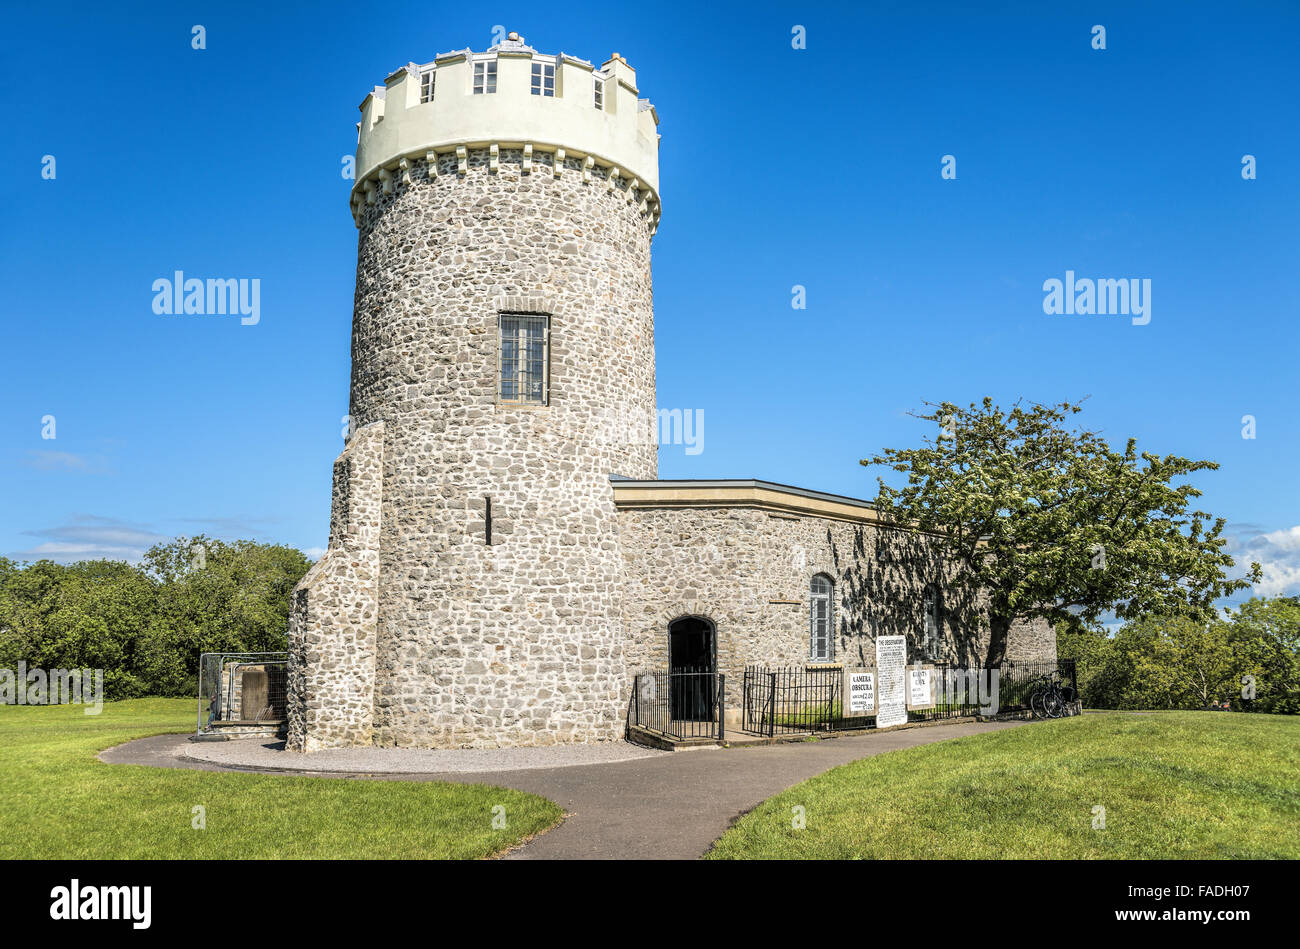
[(1019, 680), (807, 699), (242, 689), (682, 704), (791, 700), (954, 693)]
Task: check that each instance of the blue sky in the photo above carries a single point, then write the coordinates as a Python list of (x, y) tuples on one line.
[(818, 167)]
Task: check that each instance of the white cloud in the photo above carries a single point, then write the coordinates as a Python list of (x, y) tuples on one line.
[(90, 537), (57, 461), (72, 552), (1278, 554), (1287, 539), (93, 537)]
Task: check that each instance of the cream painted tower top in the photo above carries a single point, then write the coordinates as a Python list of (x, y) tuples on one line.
[(510, 97)]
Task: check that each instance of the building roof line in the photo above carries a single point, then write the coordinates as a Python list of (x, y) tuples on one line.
[(706, 483)]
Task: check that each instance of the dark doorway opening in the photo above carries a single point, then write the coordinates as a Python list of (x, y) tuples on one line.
[(692, 663)]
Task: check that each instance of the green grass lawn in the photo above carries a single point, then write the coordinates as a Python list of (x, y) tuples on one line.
[(58, 801), (1173, 785)]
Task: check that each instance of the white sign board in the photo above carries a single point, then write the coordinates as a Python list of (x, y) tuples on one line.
[(891, 666), (862, 692), (918, 687)]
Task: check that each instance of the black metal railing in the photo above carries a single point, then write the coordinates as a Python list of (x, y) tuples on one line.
[(956, 692), (962, 692), (681, 704), (1019, 679), (809, 699), (792, 700)]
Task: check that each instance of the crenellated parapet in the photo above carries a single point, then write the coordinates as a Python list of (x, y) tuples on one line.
[(563, 114)]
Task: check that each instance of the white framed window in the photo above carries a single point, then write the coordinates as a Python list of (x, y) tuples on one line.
[(543, 79), (523, 359), (598, 92), (485, 77), (822, 617), (931, 644), (427, 82)]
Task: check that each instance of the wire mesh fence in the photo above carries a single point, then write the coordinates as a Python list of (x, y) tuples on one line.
[(242, 689)]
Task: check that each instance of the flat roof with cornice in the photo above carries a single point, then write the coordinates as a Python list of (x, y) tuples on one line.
[(742, 492)]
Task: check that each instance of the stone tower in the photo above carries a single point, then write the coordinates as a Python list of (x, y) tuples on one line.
[(502, 372)]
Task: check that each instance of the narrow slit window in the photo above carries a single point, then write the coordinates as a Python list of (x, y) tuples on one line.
[(524, 359), (598, 93), (427, 82)]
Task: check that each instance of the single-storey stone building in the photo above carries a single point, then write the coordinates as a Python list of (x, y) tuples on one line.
[(502, 557)]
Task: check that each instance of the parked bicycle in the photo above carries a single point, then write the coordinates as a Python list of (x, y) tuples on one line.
[(1051, 699)]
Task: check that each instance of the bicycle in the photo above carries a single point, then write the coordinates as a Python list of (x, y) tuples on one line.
[(1050, 699)]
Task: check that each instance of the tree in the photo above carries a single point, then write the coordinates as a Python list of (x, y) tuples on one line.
[(1177, 662), (87, 615), (216, 597), (146, 625), (1047, 521), (1096, 669), (1266, 646)]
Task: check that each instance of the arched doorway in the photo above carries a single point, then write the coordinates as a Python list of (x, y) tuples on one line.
[(692, 662)]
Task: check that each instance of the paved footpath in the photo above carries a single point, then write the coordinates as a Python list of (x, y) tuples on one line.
[(662, 807)]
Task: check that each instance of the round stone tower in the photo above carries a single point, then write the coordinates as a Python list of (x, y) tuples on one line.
[(502, 373)]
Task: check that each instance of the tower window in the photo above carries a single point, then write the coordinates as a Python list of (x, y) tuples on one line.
[(485, 77), (523, 372), (930, 607), (599, 93), (426, 86), (543, 79), (822, 644)]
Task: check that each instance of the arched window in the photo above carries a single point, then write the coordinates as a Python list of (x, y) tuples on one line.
[(932, 641), (822, 640)]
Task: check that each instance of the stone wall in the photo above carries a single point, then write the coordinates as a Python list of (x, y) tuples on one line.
[(750, 570), (518, 641), (334, 608)]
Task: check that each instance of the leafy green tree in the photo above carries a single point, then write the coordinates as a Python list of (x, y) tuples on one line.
[(85, 615), (1177, 662), (146, 625), (216, 597), (1096, 669), (1047, 521), (1266, 647)]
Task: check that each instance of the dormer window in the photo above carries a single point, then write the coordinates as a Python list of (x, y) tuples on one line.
[(485, 77), (426, 86), (543, 79), (599, 93)]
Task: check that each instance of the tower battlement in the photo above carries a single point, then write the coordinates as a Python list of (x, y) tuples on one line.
[(511, 97)]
